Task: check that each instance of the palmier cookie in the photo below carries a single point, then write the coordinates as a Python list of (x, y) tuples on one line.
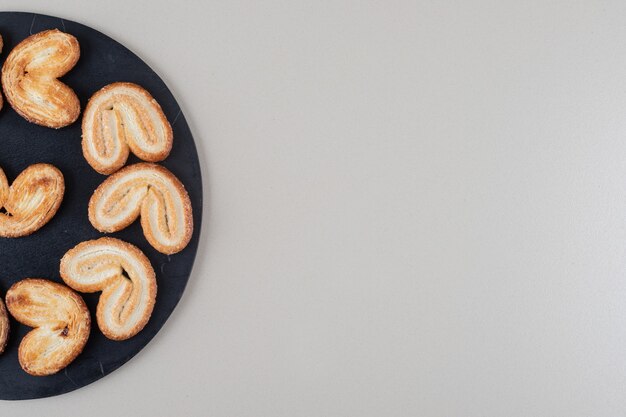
[(1, 45), (151, 191), (124, 275), (60, 320), (4, 326), (31, 201), (124, 117), (29, 79)]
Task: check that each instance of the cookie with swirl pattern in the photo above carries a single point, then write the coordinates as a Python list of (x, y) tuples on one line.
[(31, 201), (60, 320), (124, 275), (151, 192), (122, 118), (30, 79)]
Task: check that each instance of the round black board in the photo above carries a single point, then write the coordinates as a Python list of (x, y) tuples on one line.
[(102, 62)]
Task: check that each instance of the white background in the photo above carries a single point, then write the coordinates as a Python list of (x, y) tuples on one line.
[(413, 208)]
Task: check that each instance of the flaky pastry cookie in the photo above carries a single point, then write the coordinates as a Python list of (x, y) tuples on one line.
[(29, 79), (31, 201), (124, 117), (4, 326), (151, 191), (1, 45), (60, 320), (124, 275)]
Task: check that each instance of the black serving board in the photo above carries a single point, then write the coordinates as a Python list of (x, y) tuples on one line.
[(102, 62)]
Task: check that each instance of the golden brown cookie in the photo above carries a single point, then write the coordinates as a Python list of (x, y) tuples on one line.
[(31, 201), (124, 275), (1, 45), (151, 191), (29, 79), (4, 326), (123, 118), (60, 320)]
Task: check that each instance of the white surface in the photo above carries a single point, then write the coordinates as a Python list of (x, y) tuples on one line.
[(413, 209)]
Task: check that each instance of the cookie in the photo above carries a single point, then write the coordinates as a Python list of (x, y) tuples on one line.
[(29, 79), (123, 118), (1, 45), (152, 192), (4, 326), (60, 320), (31, 201), (124, 275)]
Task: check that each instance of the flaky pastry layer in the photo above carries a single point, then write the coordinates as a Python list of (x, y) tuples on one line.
[(4, 326), (1, 45), (31, 201), (29, 79), (124, 275), (60, 321), (122, 118), (152, 192)]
